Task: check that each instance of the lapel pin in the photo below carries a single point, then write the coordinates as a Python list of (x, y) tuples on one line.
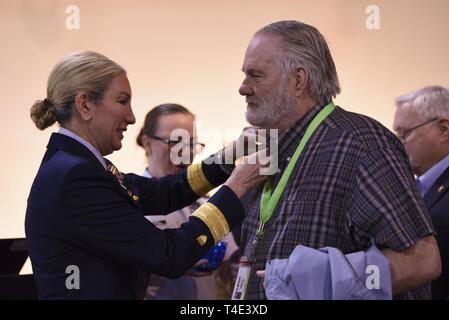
[(202, 239), (440, 189)]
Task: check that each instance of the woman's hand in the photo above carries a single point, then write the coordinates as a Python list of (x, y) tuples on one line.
[(249, 173), (250, 141)]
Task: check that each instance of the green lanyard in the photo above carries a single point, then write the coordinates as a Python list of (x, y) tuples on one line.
[(269, 200)]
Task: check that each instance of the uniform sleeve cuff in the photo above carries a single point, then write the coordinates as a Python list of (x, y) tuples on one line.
[(214, 173), (221, 213), (203, 177)]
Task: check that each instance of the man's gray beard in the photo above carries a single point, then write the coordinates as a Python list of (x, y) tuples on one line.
[(270, 111)]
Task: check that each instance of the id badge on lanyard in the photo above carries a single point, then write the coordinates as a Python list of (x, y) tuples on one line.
[(246, 264), (241, 283)]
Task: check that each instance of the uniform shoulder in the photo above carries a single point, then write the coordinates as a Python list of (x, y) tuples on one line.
[(61, 164)]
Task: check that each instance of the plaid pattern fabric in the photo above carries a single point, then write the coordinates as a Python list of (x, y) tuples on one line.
[(352, 187)]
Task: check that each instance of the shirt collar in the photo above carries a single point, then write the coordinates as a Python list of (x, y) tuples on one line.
[(92, 149), (146, 174), (428, 179)]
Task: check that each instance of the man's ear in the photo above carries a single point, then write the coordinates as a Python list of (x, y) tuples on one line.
[(83, 107), (443, 128), (301, 81)]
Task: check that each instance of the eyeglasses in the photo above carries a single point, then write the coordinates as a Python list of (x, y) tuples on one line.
[(194, 146), (403, 134)]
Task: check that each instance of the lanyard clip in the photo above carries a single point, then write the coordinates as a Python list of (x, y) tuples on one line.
[(260, 230)]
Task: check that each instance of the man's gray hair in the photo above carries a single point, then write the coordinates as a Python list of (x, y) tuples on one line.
[(428, 102), (303, 45)]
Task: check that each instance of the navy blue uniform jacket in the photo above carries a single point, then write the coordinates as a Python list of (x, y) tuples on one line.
[(437, 201), (79, 215)]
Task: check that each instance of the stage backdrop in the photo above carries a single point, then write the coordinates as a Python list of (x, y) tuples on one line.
[(191, 52)]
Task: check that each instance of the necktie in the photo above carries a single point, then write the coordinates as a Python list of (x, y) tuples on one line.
[(117, 174)]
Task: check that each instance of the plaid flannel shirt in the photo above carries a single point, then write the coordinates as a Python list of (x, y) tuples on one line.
[(352, 187)]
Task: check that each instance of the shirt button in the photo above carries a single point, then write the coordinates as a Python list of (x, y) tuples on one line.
[(278, 171)]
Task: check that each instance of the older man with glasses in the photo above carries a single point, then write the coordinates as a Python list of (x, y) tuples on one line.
[(422, 124)]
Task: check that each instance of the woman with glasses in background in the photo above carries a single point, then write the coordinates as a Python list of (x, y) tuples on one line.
[(155, 137), (168, 137)]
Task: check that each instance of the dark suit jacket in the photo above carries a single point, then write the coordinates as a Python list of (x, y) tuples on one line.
[(437, 201), (79, 215)]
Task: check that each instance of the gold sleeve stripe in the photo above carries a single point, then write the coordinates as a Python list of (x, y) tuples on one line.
[(214, 220), (197, 180)]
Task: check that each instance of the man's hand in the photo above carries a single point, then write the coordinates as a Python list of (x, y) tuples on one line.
[(261, 274)]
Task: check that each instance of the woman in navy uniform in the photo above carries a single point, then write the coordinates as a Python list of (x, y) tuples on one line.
[(85, 226)]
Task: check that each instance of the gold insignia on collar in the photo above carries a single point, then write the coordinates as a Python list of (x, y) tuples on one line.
[(131, 195), (440, 189), (202, 239)]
